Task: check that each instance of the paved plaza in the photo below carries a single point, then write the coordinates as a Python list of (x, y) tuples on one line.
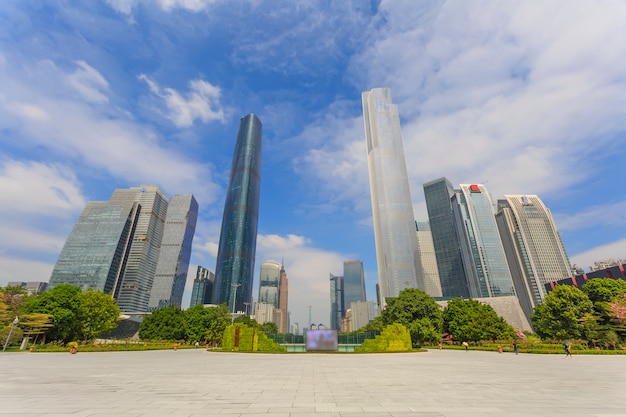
[(190, 383)]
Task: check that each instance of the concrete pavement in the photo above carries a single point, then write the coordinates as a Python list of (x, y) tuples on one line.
[(193, 383)]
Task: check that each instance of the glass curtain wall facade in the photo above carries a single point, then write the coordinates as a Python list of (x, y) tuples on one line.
[(283, 301), (171, 272), (392, 206), (93, 255), (353, 282), (269, 283), (533, 247), (484, 261), (202, 287), (234, 271), (438, 194), (337, 308)]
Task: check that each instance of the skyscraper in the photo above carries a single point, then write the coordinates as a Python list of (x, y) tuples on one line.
[(269, 283), (283, 301), (115, 246), (234, 271), (533, 247), (392, 207), (202, 287), (353, 282), (428, 260), (438, 194), (484, 261), (171, 272), (337, 308)]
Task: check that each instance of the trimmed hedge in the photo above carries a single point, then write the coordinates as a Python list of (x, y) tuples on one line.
[(394, 338), (251, 339)]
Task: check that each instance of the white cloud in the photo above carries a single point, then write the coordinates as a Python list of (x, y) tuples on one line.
[(17, 269), (612, 250), (89, 83), (611, 215), (127, 6), (202, 102), (31, 187)]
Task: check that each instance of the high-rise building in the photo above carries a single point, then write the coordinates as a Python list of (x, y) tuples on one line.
[(202, 287), (234, 271), (283, 301), (264, 313), (353, 282), (337, 307), (533, 247), (362, 313), (484, 261), (269, 283), (392, 207), (171, 272), (116, 244), (438, 194), (428, 260)]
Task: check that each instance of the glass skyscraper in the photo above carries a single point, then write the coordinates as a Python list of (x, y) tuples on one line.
[(235, 257), (484, 261), (115, 247), (337, 308), (269, 283), (353, 282), (392, 207), (438, 194), (202, 287), (428, 260), (171, 271), (533, 247)]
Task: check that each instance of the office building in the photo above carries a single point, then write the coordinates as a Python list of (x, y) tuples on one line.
[(353, 282), (438, 194), (362, 313), (392, 207), (533, 246), (269, 283), (484, 260), (202, 287), (234, 271), (283, 301), (31, 287), (337, 307), (427, 259), (171, 272), (264, 313)]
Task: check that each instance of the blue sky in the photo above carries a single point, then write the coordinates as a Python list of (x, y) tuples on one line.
[(527, 98)]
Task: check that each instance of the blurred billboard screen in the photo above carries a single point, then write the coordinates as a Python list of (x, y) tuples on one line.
[(321, 340)]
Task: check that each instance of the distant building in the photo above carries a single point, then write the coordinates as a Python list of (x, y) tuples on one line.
[(202, 287), (533, 247), (392, 206), (31, 287), (605, 264), (269, 283), (234, 271), (171, 272), (438, 194), (615, 272), (115, 247), (353, 282), (283, 301), (428, 259), (337, 308), (264, 313), (484, 260), (362, 313)]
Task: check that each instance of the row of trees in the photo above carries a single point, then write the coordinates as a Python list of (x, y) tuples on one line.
[(464, 320), (196, 324), (596, 313), (65, 313)]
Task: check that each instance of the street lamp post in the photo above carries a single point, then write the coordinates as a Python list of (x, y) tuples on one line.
[(235, 285), (15, 321)]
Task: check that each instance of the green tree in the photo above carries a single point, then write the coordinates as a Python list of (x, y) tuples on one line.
[(245, 319), (269, 327), (603, 290), (197, 321), (561, 313), (166, 323), (63, 303), (13, 299), (418, 312), (36, 324), (99, 313), (219, 318), (472, 321)]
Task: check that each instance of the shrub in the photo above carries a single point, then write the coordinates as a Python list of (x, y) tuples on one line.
[(394, 338)]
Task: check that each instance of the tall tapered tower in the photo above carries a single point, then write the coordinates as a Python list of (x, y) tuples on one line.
[(392, 207), (235, 257)]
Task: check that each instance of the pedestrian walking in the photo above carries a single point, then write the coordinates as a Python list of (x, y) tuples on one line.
[(465, 345), (515, 347), (568, 349)]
